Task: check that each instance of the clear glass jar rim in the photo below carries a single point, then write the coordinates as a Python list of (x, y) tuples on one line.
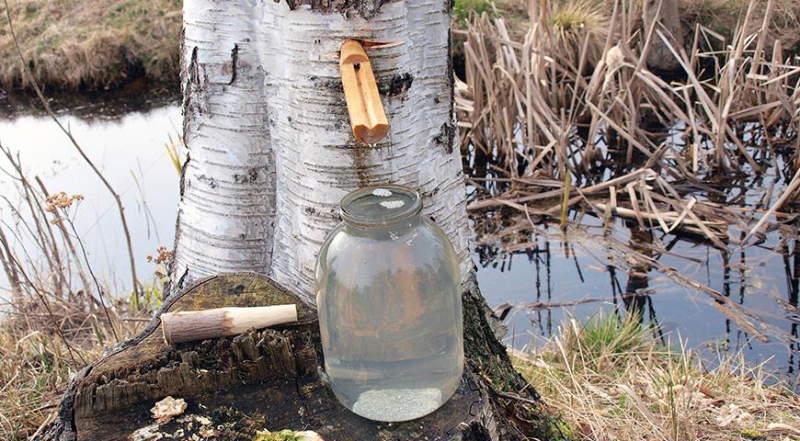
[(386, 217)]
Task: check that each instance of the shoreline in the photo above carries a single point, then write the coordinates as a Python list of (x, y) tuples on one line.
[(102, 105)]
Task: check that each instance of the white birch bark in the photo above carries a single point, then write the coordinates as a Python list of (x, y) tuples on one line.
[(316, 159), (227, 183)]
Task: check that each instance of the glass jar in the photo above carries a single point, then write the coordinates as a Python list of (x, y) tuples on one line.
[(389, 303)]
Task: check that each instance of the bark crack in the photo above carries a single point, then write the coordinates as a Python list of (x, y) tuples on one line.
[(234, 62)]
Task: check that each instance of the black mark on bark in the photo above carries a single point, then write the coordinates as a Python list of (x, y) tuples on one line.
[(313, 212), (395, 85), (184, 167), (446, 136), (388, 85), (451, 81), (206, 180), (192, 69), (249, 178), (234, 61), (189, 75), (334, 84)]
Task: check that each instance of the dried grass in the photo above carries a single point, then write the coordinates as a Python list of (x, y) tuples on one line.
[(610, 379), (36, 363), (580, 28), (91, 45), (58, 316), (723, 17)]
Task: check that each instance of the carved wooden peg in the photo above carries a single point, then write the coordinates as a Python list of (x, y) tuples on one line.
[(185, 326), (361, 93)]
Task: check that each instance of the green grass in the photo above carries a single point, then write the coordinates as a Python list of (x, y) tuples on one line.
[(609, 378), (608, 335), (463, 9)]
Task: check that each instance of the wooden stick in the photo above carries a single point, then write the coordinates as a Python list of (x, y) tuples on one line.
[(361, 93), (180, 327), (498, 202), (535, 306)]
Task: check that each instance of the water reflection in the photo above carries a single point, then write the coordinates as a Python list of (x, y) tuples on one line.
[(557, 274), (549, 276), (788, 247), (129, 148), (636, 300), (91, 107)]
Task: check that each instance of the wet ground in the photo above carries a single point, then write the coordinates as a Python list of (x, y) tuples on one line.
[(537, 275)]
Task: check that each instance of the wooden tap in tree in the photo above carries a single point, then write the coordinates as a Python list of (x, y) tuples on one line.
[(367, 117)]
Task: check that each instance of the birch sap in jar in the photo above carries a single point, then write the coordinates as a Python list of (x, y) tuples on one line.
[(388, 296)]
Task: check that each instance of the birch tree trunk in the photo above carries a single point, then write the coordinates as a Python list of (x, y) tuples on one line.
[(267, 130), (228, 184)]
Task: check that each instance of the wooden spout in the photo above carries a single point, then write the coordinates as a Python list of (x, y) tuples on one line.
[(361, 93)]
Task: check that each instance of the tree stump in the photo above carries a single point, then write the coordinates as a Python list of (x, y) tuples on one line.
[(273, 379)]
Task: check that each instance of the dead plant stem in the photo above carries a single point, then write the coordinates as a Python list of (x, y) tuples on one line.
[(80, 151)]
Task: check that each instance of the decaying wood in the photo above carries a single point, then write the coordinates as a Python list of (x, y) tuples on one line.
[(272, 379), (184, 326)]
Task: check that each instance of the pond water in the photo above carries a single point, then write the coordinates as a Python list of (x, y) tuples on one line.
[(127, 142), (544, 275), (548, 277)]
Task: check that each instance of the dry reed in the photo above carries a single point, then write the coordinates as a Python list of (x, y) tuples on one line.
[(561, 132), (549, 131)]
